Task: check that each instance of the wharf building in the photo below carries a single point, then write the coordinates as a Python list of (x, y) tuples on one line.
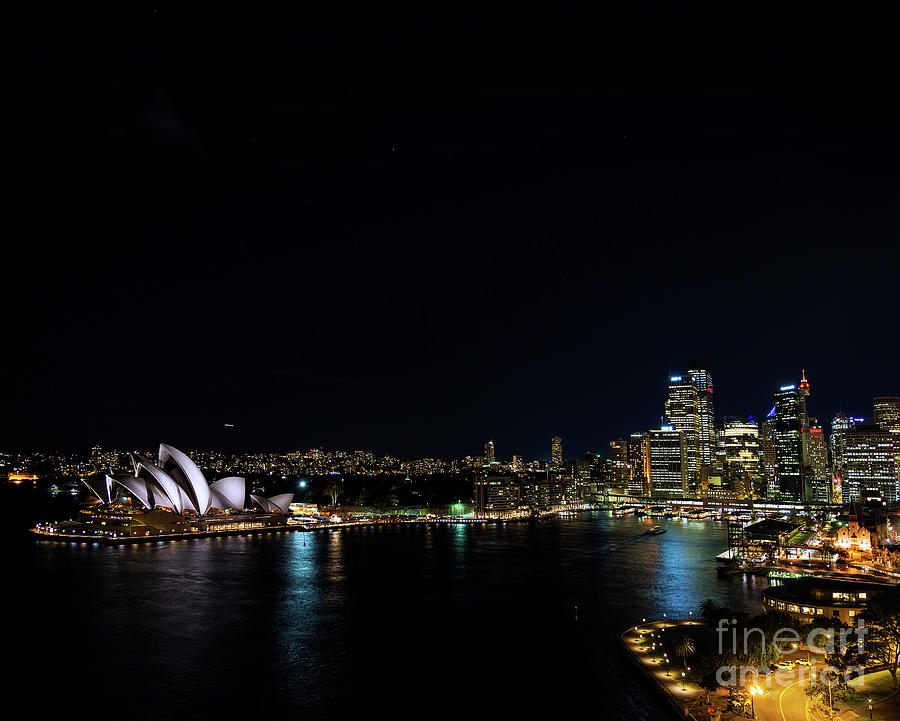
[(821, 601)]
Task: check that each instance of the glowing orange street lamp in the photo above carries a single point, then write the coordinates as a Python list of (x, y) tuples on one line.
[(754, 691)]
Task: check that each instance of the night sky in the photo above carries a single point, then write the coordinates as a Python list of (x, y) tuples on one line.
[(411, 234)]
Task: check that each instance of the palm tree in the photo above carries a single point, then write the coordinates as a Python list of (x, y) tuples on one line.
[(684, 647), (708, 609)]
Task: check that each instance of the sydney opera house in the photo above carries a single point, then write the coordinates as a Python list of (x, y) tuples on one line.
[(171, 496)]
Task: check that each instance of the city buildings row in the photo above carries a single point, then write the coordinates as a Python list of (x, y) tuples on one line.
[(785, 456)]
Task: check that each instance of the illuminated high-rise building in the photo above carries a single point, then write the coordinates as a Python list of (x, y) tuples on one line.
[(556, 454), (869, 462), (667, 461), (706, 424), (767, 454), (683, 414), (739, 446), (789, 411), (887, 413), (815, 462), (638, 485), (489, 453), (618, 454), (839, 425)]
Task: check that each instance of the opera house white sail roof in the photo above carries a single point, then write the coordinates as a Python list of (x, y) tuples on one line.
[(177, 484)]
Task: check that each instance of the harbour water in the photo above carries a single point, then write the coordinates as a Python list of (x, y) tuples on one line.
[(434, 620)]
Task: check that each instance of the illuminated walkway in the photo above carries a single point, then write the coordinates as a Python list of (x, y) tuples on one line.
[(782, 699)]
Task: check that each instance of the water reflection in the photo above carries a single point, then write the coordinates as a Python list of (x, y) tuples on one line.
[(322, 624)]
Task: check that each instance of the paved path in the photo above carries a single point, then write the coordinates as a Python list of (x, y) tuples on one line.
[(783, 697)]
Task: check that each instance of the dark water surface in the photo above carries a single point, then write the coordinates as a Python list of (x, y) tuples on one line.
[(443, 621)]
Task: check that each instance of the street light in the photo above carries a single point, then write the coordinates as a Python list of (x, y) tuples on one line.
[(754, 691), (682, 687), (870, 708), (667, 668)]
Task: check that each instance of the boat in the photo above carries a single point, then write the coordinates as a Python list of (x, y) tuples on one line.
[(656, 530)]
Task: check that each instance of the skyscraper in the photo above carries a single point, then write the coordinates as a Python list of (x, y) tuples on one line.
[(887, 413), (640, 465), (667, 460), (683, 414), (489, 453), (618, 453), (706, 428), (789, 409), (556, 454), (815, 462), (869, 463), (767, 453), (739, 443), (839, 425)]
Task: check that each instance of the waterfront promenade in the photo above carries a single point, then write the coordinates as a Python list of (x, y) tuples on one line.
[(783, 696), (784, 701)]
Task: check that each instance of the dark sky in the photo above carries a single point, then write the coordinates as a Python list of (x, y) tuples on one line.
[(414, 233)]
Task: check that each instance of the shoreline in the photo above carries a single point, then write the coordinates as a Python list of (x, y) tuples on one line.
[(679, 706), (287, 527)]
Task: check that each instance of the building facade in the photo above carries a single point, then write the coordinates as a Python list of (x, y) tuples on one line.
[(668, 463), (556, 454), (869, 462), (789, 412), (682, 412)]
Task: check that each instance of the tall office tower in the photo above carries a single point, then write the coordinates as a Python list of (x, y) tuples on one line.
[(869, 463), (767, 453), (706, 426), (556, 456), (815, 462), (683, 414), (803, 390), (668, 463), (839, 425), (489, 453), (516, 463), (639, 463), (887, 412), (789, 405), (618, 454), (739, 444)]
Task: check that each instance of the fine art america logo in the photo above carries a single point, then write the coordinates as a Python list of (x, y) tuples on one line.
[(829, 642)]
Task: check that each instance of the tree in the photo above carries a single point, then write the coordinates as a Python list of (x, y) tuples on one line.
[(828, 550), (830, 684), (883, 643), (683, 645), (709, 610), (334, 489)]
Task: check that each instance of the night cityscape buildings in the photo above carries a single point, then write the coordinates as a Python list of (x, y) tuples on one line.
[(489, 337), (782, 457)]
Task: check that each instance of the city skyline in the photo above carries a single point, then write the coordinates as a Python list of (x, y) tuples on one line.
[(488, 448)]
